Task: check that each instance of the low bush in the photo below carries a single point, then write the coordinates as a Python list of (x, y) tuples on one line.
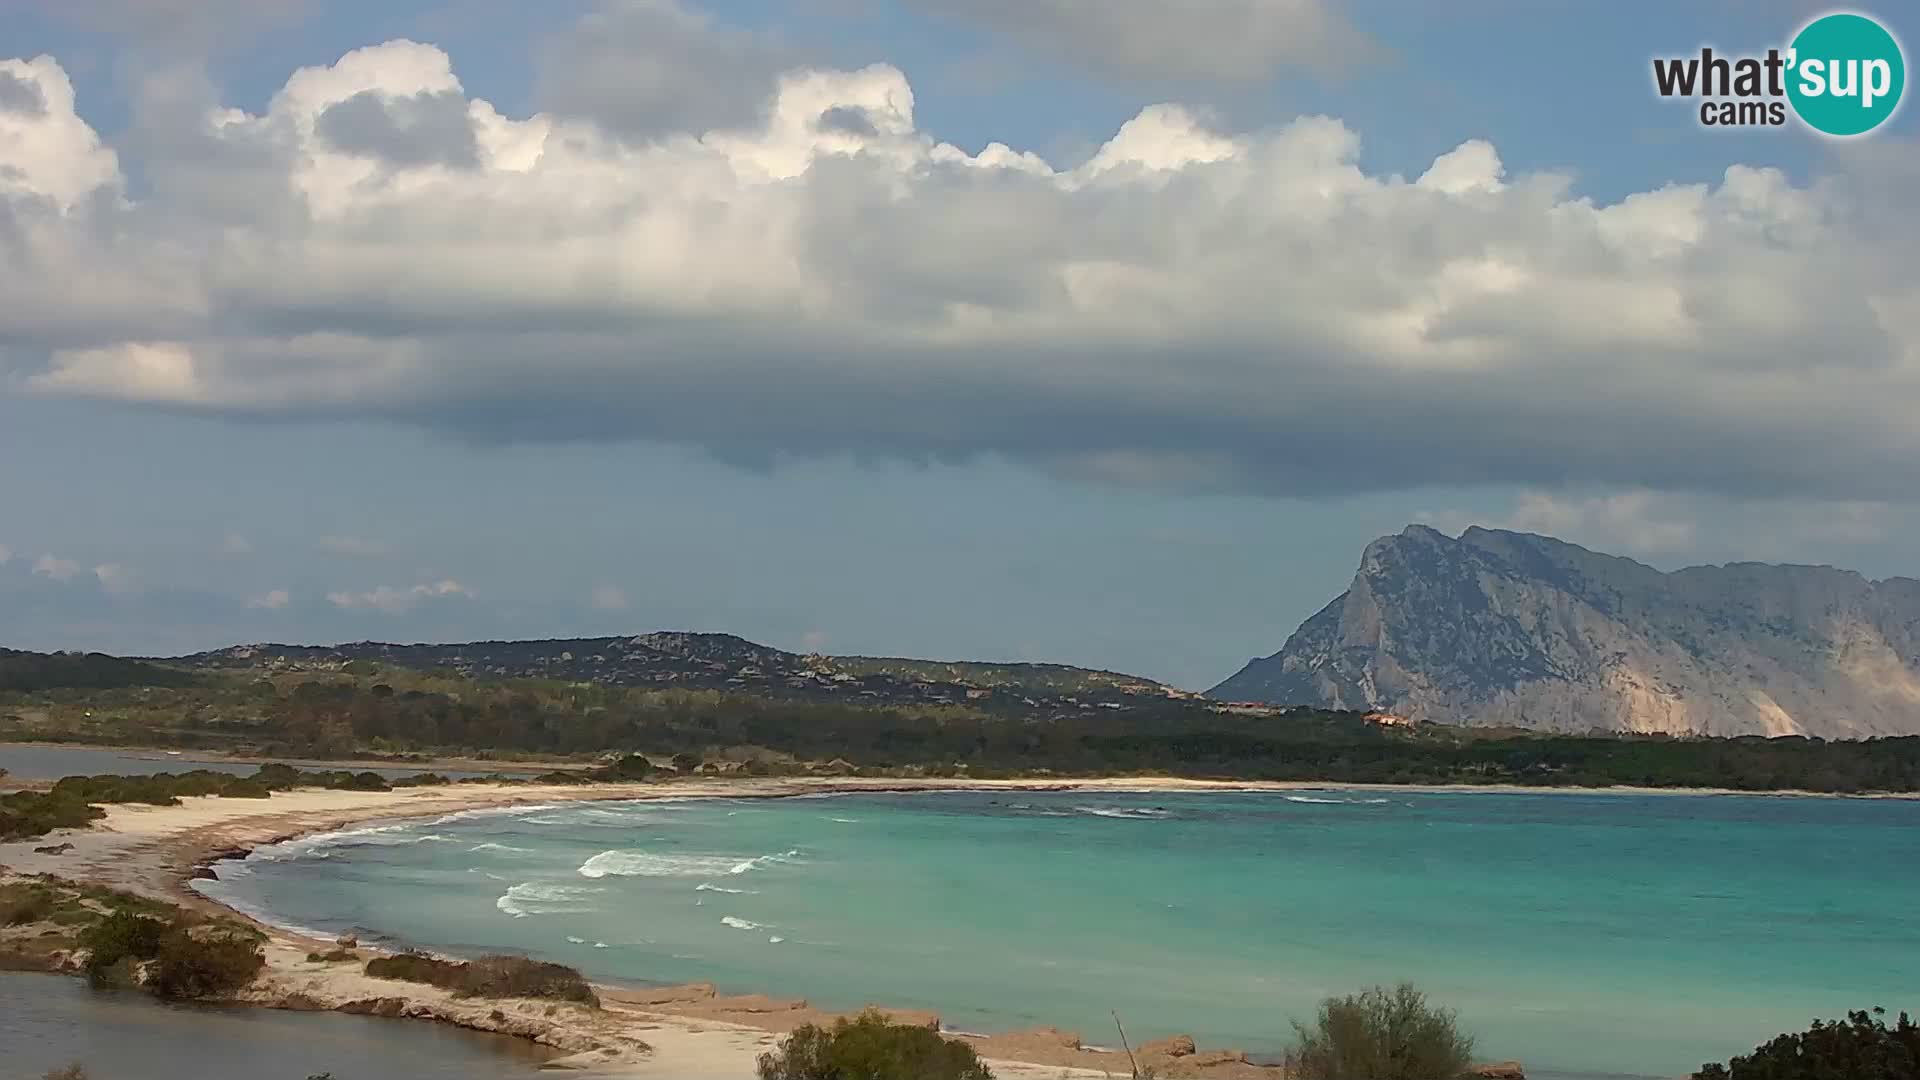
[(521, 977), (26, 903), (871, 1048), (116, 943), (1862, 1047), (1381, 1034), (490, 976), (210, 964)]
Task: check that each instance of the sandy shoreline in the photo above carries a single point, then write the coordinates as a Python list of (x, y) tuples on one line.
[(682, 1032), (686, 1032)]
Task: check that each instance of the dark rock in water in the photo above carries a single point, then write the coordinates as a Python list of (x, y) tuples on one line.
[(1500, 1070), (53, 849), (203, 873), (384, 1006)]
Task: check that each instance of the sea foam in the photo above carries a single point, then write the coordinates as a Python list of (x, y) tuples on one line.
[(649, 864), (544, 898)]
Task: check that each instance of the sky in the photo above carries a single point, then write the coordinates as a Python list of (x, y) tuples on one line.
[(1103, 332)]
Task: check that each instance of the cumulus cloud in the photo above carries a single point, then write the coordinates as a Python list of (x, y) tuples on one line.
[(1191, 308), (48, 155), (114, 577), (1674, 527), (236, 544), (54, 568), (6, 554), (1638, 522), (608, 598), (358, 546), (273, 600), (651, 67), (394, 601), (1213, 40)]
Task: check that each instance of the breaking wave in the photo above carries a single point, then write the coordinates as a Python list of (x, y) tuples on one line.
[(764, 860), (647, 864), (1335, 802), (1131, 813), (740, 924), (544, 898)]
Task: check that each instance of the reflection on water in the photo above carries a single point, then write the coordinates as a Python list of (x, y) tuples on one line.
[(37, 762), (47, 1022)]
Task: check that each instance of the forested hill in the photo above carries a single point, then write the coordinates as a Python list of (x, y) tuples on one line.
[(326, 704), (28, 672), (719, 662)]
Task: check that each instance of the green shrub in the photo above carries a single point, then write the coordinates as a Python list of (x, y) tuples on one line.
[(871, 1048), (411, 966), (522, 977), (1862, 1047), (245, 788), (627, 767), (1381, 1034), (117, 942), (207, 965), (497, 976), (23, 904)]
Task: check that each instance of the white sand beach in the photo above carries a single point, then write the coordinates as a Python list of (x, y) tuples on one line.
[(681, 1032)]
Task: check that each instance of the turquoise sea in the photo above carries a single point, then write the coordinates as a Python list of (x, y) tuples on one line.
[(1586, 935)]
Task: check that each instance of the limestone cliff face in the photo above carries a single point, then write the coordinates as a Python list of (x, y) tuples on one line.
[(1503, 628)]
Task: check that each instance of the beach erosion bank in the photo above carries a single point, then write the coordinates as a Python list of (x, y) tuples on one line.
[(683, 1031)]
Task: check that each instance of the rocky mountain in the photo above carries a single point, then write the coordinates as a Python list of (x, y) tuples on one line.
[(1505, 628), (719, 662)]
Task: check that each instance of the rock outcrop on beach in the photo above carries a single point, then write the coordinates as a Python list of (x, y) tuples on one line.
[(1505, 628)]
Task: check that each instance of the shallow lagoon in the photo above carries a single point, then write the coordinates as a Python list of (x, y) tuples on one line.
[(48, 1022)]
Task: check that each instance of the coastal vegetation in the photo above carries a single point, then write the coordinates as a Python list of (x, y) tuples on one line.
[(1381, 1034), (395, 714), (1861, 1047), (74, 801), (498, 976), (871, 1047), (367, 710), (122, 940)]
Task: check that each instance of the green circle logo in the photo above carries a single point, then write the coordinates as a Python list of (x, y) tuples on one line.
[(1846, 74)]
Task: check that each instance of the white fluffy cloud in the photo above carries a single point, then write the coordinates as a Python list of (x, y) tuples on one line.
[(395, 601), (1676, 528), (608, 598), (272, 600), (6, 554), (47, 153), (1192, 307), (114, 577), (54, 568)]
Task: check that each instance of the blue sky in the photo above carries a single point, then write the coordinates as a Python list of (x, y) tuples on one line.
[(586, 318)]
